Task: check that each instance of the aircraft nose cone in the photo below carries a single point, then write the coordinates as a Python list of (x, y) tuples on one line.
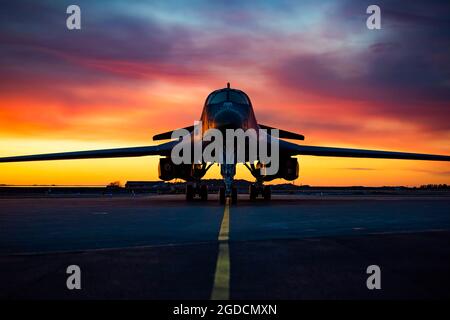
[(228, 119)]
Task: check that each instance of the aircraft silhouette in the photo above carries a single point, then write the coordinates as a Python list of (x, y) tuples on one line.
[(227, 108)]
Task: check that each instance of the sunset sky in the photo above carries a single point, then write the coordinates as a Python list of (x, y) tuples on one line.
[(137, 68)]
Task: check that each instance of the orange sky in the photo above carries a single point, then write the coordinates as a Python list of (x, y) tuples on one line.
[(106, 87), (143, 112)]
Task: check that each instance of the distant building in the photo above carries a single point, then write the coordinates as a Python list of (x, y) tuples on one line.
[(144, 184)]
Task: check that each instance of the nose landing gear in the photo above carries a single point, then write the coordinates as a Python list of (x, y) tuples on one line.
[(233, 196), (229, 190)]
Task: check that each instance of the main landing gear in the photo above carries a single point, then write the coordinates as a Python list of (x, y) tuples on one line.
[(196, 189), (257, 189)]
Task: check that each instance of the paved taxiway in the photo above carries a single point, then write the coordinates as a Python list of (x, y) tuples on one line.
[(161, 247)]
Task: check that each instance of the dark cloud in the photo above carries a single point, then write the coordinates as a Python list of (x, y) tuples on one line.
[(388, 75), (405, 72), (404, 69), (35, 41), (272, 118), (115, 44)]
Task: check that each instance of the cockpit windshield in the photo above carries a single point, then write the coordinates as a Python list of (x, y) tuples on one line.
[(238, 97), (231, 95), (219, 97)]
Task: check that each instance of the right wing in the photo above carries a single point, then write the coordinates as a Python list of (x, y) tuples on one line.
[(295, 149), (162, 149)]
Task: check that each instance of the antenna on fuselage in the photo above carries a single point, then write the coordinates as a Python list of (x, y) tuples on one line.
[(228, 85)]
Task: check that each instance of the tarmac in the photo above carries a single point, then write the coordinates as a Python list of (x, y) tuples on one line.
[(161, 247)]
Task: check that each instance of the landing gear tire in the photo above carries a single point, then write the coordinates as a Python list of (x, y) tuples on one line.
[(234, 195), (267, 194), (189, 192), (253, 191), (222, 195), (204, 192)]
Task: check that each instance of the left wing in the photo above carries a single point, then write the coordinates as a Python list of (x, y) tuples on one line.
[(162, 149), (294, 149)]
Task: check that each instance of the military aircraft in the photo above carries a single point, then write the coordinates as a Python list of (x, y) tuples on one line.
[(228, 108)]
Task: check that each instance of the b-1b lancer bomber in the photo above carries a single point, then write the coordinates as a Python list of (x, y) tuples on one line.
[(227, 109)]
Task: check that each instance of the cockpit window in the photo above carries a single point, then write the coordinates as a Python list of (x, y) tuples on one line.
[(227, 95), (219, 97), (238, 97)]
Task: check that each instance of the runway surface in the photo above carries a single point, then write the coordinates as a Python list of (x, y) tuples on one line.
[(160, 247)]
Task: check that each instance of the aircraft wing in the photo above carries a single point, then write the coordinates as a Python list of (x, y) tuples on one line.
[(294, 149), (162, 149)]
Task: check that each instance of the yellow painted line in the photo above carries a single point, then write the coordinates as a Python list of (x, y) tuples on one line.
[(225, 226), (221, 287)]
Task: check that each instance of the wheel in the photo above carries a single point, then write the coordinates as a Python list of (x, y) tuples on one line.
[(189, 192), (266, 193), (222, 195), (253, 191), (234, 194), (204, 192)]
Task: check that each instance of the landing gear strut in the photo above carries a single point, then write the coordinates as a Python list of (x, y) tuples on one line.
[(267, 193), (234, 195), (229, 190), (196, 189), (204, 192), (222, 198), (256, 189)]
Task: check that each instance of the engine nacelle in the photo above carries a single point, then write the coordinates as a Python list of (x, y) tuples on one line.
[(288, 170), (167, 170)]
